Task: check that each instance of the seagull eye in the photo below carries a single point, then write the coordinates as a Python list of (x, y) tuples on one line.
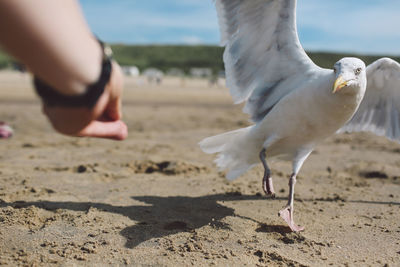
[(358, 71)]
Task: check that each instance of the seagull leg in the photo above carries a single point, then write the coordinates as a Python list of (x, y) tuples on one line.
[(267, 184), (287, 212)]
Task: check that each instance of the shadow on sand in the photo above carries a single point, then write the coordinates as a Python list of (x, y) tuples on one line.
[(163, 216)]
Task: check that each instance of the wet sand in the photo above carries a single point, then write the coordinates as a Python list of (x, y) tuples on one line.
[(157, 200)]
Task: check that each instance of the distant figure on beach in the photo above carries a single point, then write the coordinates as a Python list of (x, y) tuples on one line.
[(153, 76), (5, 130), (78, 82)]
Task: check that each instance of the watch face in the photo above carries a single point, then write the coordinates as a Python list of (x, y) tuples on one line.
[(107, 50)]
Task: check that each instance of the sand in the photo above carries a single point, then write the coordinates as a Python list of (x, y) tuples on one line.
[(157, 200)]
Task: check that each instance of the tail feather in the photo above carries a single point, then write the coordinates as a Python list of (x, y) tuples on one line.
[(232, 175), (235, 152), (215, 144)]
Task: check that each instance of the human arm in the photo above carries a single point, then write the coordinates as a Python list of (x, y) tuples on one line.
[(53, 40)]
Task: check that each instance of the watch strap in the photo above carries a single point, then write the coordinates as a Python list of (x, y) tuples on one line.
[(52, 97)]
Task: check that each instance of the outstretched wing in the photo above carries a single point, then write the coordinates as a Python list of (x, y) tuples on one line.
[(263, 57), (379, 111)]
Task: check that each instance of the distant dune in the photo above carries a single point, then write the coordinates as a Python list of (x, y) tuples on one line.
[(185, 57)]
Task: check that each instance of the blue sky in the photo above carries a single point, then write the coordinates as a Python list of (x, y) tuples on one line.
[(356, 26)]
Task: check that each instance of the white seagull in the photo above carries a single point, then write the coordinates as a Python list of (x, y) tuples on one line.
[(293, 103)]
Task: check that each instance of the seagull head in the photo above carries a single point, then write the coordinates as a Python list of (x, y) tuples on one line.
[(350, 75)]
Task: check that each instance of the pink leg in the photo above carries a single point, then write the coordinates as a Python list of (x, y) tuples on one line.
[(287, 212), (267, 184)]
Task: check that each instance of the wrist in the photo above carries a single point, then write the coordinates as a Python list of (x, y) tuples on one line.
[(91, 90), (85, 71)]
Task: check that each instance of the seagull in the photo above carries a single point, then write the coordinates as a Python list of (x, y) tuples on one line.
[(293, 103)]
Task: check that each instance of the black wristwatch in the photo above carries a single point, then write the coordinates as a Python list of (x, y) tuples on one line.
[(89, 98)]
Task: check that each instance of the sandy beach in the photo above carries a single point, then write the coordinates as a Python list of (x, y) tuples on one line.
[(157, 200)]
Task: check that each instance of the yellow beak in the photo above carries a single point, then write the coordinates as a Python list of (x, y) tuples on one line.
[(339, 84)]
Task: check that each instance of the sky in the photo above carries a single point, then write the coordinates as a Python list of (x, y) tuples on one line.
[(353, 26)]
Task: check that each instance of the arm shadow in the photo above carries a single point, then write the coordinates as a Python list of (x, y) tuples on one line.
[(163, 216)]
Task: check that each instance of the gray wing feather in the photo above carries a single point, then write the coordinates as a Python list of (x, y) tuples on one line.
[(379, 111), (264, 60)]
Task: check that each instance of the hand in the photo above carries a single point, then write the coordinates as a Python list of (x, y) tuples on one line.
[(102, 121)]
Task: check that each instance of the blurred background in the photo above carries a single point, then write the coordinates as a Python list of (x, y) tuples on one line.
[(181, 37)]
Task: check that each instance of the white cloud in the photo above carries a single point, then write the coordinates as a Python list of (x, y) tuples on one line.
[(367, 21), (194, 21), (357, 26), (193, 14), (343, 25), (191, 40)]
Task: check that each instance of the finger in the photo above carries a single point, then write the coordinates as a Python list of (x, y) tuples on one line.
[(116, 130), (113, 110)]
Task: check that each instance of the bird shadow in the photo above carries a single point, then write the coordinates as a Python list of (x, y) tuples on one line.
[(164, 216)]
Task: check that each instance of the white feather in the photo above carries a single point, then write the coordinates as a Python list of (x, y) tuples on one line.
[(288, 97), (263, 56), (379, 111)]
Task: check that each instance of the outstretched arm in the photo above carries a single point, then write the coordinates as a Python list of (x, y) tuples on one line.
[(54, 41)]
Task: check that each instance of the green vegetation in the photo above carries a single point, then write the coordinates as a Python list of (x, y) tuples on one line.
[(170, 56), (165, 57), (326, 60), (5, 60)]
